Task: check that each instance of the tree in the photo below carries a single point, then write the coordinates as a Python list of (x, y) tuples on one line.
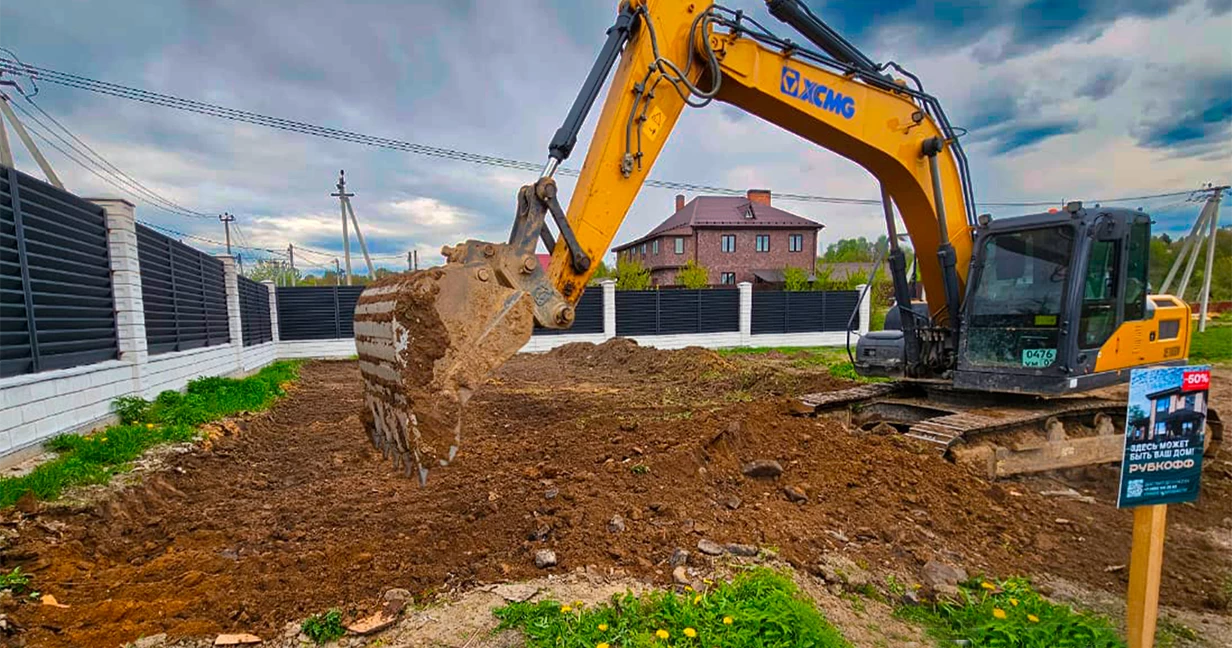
[(693, 276), (601, 273), (850, 250), (272, 270), (795, 279), (631, 275)]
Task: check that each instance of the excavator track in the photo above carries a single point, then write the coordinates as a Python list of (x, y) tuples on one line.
[(996, 435)]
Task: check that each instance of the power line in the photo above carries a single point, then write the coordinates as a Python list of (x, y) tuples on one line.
[(189, 105)]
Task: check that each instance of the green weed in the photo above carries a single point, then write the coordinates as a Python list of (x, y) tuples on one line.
[(1170, 633), (325, 627), (170, 418), (640, 469), (1011, 614), (758, 608), (16, 580)]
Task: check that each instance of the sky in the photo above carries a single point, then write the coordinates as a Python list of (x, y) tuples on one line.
[(1089, 99)]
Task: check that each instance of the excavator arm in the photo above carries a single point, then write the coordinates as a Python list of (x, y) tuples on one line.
[(426, 340)]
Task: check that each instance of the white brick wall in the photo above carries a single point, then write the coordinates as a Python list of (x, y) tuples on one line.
[(341, 348)]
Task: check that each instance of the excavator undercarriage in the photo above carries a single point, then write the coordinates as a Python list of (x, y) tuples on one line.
[(993, 434)]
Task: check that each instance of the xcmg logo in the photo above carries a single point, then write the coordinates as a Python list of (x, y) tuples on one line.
[(794, 85)]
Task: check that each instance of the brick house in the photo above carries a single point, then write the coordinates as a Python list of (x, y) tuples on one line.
[(736, 238)]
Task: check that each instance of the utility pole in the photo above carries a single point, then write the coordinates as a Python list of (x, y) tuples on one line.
[(226, 220), (416, 257), (338, 274), (291, 255), (342, 196), (410, 263), (1213, 202)]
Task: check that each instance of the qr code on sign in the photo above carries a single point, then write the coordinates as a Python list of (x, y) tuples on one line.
[(1134, 488)]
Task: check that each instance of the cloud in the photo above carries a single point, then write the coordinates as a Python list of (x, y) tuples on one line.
[(1104, 82), (1196, 119)]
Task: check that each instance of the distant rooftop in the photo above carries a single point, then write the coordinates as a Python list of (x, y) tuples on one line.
[(752, 210)]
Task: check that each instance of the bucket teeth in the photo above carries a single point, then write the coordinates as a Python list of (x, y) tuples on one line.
[(425, 339)]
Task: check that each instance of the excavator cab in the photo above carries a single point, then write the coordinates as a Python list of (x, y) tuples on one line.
[(1055, 303), (1058, 302)]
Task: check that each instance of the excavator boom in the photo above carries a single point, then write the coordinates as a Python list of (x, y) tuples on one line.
[(427, 340)]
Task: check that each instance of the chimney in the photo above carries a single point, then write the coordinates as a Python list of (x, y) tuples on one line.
[(679, 202), (759, 196)]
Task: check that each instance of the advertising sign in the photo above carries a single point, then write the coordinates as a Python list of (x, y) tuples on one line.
[(1165, 431)]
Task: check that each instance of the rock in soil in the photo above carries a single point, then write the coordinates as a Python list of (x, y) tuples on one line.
[(680, 575), (743, 550), (617, 524), (545, 558), (241, 639), (935, 574), (396, 594), (762, 469), (152, 641), (795, 494), (679, 557), (709, 547)]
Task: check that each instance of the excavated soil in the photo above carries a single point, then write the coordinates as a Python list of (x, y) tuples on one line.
[(297, 514)]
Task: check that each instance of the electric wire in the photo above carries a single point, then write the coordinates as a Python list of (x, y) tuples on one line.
[(135, 94)]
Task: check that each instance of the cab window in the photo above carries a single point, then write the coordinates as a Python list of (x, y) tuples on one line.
[(1136, 270), (1099, 294)]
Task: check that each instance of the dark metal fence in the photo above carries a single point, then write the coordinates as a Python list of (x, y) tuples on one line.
[(777, 311), (663, 312), (588, 316), (255, 312), (317, 312), (185, 294), (56, 305)]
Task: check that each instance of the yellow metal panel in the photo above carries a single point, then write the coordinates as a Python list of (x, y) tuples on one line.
[(1139, 343)]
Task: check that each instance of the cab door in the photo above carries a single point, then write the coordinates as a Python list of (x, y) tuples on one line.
[(1114, 326)]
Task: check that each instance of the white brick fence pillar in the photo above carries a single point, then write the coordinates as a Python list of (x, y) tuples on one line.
[(609, 308), (746, 313), (866, 301), (126, 285), (234, 322), (273, 306)]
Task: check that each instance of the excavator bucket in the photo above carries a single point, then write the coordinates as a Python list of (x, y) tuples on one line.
[(426, 341)]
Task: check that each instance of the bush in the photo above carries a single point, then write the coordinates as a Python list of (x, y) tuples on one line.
[(324, 628), (693, 276), (795, 279), (631, 275)]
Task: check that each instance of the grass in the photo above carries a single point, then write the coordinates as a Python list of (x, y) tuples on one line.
[(325, 627), (1212, 345), (170, 418), (1010, 614), (835, 358), (759, 608)]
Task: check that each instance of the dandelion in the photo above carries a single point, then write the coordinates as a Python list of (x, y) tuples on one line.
[(149, 426), (602, 627), (602, 644), (690, 632), (1032, 618), (566, 609), (688, 588), (988, 586), (998, 612), (662, 634), (697, 599), (1014, 602), (727, 620)]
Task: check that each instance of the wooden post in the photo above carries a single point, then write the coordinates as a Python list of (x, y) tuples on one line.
[(1145, 563)]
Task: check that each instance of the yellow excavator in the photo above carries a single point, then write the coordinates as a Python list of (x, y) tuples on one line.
[(1021, 314)]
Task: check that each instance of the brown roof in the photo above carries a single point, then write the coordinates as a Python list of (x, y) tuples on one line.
[(725, 212)]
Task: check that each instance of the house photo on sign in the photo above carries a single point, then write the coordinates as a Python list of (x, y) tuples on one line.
[(1165, 432)]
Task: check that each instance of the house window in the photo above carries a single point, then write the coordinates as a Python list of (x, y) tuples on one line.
[(728, 243), (654, 246), (679, 245), (643, 249), (763, 243), (727, 278), (795, 243)]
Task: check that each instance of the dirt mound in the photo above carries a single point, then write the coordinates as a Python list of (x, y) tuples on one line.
[(298, 514), (624, 354)]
